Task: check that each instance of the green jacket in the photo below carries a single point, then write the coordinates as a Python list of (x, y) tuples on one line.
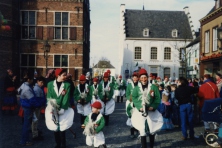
[(129, 91), (101, 91), (122, 84), (77, 94), (137, 97), (100, 122), (62, 96)]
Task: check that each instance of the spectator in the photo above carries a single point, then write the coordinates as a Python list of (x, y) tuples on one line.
[(207, 91), (219, 83), (183, 94)]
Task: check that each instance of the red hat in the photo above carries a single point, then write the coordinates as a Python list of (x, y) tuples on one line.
[(151, 75), (135, 74), (142, 72), (82, 78), (97, 105), (120, 76), (108, 71), (95, 79), (158, 78), (58, 71), (106, 75)]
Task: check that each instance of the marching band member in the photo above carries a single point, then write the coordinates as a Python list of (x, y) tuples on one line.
[(59, 116), (121, 86), (83, 96), (105, 92), (129, 103), (146, 98)]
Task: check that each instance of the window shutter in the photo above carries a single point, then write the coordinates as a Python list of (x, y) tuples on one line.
[(50, 31), (39, 32), (73, 33)]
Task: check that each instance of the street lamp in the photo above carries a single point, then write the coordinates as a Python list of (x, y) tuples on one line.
[(46, 49), (219, 35)]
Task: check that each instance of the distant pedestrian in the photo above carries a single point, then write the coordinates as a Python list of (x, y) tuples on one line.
[(9, 99), (219, 83), (94, 124), (121, 89), (28, 102)]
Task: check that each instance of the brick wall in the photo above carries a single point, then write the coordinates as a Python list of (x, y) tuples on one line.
[(73, 48)]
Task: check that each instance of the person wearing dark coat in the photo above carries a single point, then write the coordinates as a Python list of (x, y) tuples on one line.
[(183, 94)]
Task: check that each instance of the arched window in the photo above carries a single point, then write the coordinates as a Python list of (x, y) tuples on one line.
[(137, 53), (167, 72), (167, 53)]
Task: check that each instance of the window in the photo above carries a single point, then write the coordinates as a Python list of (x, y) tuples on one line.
[(207, 41), (214, 39), (181, 54), (153, 55), (167, 53), (145, 32), (174, 33), (61, 25), (167, 72), (181, 72), (28, 23), (28, 60), (189, 59), (137, 55), (60, 60)]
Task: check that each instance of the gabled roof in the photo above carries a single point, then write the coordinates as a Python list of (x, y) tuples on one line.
[(159, 23), (101, 64), (195, 41)]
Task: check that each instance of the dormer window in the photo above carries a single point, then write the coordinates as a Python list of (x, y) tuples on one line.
[(174, 33), (146, 32)]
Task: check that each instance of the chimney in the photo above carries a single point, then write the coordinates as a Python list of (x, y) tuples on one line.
[(186, 10), (217, 3)]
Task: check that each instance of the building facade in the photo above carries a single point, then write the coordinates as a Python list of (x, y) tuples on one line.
[(101, 67), (65, 26), (155, 40), (211, 54)]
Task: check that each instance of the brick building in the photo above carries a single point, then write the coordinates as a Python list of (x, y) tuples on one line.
[(9, 40), (65, 25)]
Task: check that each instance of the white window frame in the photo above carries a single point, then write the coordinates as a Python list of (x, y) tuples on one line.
[(62, 26), (137, 53), (153, 53), (174, 33), (215, 39), (167, 54), (28, 25), (61, 60), (207, 42), (146, 32)]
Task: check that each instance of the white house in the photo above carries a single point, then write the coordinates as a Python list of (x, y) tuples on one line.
[(154, 39), (193, 55), (101, 67)]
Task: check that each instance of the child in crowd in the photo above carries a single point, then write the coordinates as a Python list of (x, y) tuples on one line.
[(165, 109), (94, 124), (175, 106)]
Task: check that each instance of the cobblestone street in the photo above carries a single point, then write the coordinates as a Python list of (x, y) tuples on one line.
[(117, 134)]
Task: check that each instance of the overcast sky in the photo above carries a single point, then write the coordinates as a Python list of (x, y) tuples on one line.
[(105, 21)]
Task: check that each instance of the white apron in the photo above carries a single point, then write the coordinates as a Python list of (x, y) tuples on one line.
[(65, 120), (108, 107), (85, 110), (97, 139), (120, 92)]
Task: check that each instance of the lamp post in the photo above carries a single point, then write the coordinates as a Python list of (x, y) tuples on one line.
[(46, 49), (219, 36)]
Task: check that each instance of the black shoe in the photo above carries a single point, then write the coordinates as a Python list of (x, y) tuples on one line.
[(38, 138)]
